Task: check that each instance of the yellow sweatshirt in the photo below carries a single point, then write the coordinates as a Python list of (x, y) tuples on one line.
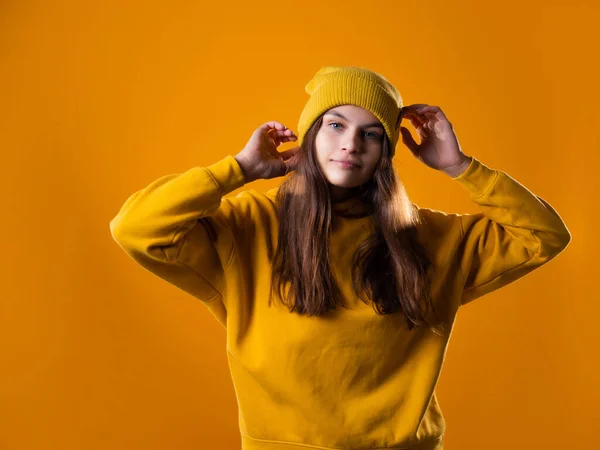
[(350, 379)]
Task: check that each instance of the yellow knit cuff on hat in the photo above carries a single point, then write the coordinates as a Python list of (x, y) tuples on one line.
[(347, 85)]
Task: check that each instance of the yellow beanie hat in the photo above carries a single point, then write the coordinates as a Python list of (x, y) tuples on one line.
[(347, 85)]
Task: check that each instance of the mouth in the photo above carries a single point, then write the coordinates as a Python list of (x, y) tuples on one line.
[(345, 164)]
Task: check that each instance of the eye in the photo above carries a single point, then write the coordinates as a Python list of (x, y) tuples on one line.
[(373, 135)]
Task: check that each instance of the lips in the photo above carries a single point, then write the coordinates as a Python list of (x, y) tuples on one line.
[(354, 163)]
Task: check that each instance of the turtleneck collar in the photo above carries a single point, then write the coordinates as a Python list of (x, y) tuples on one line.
[(353, 207)]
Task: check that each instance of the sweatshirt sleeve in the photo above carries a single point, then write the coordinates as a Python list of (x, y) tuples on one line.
[(180, 228), (515, 232)]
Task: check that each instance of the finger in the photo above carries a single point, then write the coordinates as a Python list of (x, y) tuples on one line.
[(423, 110), (273, 125), (289, 153), (436, 121), (290, 161), (416, 120), (279, 136), (414, 107), (413, 113), (409, 141), (283, 134), (290, 164), (272, 133), (425, 119), (436, 110)]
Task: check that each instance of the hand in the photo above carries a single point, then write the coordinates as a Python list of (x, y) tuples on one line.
[(439, 147), (260, 158)]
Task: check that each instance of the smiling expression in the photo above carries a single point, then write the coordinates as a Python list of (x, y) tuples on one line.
[(349, 145)]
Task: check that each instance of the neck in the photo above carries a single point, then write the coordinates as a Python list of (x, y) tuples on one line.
[(341, 194)]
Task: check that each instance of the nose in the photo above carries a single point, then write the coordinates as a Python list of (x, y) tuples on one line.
[(351, 142)]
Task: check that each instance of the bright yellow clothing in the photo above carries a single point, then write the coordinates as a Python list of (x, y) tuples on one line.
[(350, 379)]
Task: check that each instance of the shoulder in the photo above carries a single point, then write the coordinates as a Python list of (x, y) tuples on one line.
[(433, 220), (438, 230), (249, 207)]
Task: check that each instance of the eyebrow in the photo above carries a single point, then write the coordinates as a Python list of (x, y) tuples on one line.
[(368, 125)]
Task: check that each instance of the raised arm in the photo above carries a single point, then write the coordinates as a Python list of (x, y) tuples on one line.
[(180, 227), (515, 232), (173, 213)]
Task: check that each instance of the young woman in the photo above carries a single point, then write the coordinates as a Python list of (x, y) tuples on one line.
[(337, 293)]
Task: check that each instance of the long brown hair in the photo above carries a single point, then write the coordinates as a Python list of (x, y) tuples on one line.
[(390, 267)]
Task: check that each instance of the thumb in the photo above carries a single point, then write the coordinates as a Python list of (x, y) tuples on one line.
[(290, 159), (409, 141)]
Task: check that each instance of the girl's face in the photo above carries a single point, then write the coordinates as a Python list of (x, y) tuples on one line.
[(348, 133)]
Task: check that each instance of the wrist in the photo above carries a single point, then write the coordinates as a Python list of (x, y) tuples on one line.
[(246, 169), (458, 169)]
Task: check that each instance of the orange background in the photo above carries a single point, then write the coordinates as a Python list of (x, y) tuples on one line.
[(99, 100)]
